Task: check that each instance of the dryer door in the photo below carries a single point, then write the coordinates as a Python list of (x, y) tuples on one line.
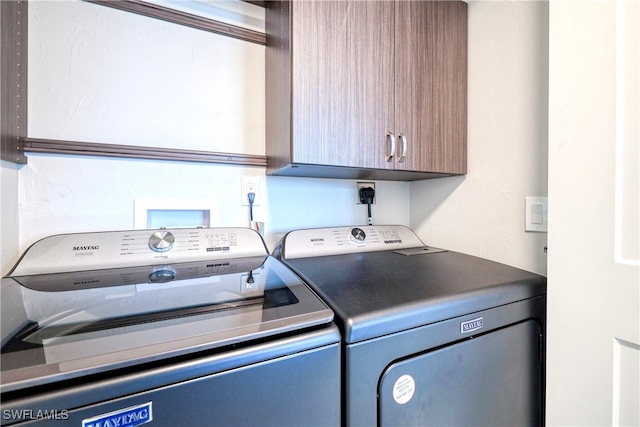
[(489, 380)]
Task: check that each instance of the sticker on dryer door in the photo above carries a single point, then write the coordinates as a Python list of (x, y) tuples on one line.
[(403, 389)]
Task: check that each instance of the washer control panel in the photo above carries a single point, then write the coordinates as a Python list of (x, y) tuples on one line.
[(344, 240), (114, 249)]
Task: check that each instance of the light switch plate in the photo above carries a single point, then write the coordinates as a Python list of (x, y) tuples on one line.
[(535, 214)]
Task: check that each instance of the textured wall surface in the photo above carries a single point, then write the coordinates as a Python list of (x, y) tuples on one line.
[(483, 213), (60, 194), (98, 74)]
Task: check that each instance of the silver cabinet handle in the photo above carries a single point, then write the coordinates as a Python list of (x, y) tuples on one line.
[(403, 141), (391, 143)]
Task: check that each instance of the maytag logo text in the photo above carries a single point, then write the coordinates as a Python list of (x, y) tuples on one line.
[(471, 325)]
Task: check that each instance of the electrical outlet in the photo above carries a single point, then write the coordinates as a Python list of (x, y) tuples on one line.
[(365, 185), (250, 184)]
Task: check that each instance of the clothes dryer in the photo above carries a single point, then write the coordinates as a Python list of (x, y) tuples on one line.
[(430, 336)]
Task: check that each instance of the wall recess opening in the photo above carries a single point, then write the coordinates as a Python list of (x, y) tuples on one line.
[(175, 213)]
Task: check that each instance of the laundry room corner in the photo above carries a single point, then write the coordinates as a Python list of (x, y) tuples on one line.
[(483, 213)]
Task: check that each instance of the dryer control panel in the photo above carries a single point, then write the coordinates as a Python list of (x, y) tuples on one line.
[(113, 249), (343, 240)]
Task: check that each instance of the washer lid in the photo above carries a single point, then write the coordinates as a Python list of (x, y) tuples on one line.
[(65, 325)]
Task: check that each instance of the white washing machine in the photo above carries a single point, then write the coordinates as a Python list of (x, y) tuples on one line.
[(184, 327)]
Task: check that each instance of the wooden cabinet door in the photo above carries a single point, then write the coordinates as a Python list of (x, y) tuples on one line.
[(431, 85), (342, 82)]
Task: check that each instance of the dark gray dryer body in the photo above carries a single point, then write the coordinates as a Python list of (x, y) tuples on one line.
[(431, 337), (185, 327)]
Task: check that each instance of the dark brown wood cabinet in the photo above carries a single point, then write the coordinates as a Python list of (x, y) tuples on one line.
[(366, 89)]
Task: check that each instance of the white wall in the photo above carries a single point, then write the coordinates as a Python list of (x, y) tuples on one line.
[(98, 74), (482, 213), (61, 194)]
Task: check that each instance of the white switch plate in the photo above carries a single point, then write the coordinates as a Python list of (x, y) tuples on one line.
[(535, 214)]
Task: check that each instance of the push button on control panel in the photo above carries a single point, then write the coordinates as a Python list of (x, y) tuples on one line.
[(161, 241)]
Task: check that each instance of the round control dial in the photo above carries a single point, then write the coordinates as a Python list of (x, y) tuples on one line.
[(357, 235), (161, 241)]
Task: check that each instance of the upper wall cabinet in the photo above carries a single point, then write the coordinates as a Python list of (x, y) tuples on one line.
[(366, 89)]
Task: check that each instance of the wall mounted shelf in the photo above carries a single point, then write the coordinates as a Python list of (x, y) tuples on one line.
[(14, 142)]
